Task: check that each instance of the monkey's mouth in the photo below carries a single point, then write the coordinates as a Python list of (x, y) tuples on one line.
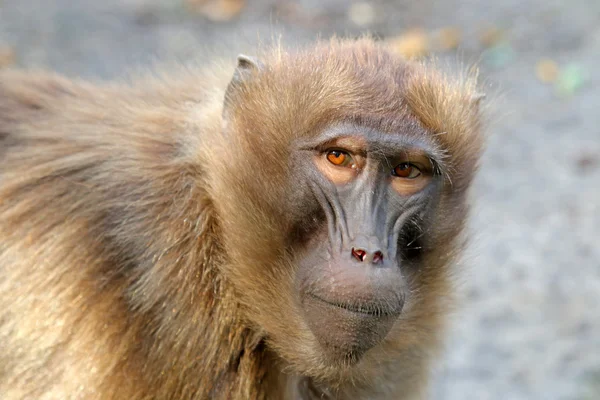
[(367, 308), (346, 330)]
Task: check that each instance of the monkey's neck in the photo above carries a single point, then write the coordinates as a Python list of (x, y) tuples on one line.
[(306, 389), (199, 345), (214, 354), (195, 343), (192, 340)]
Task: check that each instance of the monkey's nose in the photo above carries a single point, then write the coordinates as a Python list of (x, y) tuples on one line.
[(362, 255)]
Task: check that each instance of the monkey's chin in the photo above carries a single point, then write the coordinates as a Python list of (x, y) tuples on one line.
[(344, 332)]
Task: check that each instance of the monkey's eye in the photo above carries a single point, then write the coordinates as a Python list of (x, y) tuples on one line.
[(406, 170), (340, 158)]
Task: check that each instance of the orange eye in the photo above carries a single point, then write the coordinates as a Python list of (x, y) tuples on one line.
[(340, 158), (406, 170)]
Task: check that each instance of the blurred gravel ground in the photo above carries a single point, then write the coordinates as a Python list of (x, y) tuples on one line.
[(530, 324)]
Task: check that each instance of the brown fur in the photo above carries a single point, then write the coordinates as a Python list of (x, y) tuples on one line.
[(142, 258)]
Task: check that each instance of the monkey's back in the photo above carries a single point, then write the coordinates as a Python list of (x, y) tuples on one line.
[(82, 167)]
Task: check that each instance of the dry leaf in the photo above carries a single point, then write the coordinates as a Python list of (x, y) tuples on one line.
[(412, 44), (491, 36), (449, 38), (546, 71), (217, 10)]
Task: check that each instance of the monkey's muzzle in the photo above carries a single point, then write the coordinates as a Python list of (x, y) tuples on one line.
[(351, 306)]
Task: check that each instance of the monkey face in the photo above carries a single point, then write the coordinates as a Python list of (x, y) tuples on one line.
[(369, 189), (342, 203)]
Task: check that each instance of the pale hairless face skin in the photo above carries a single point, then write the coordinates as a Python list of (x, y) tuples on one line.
[(369, 185)]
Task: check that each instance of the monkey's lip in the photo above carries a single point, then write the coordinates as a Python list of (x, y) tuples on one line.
[(346, 330), (365, 308)]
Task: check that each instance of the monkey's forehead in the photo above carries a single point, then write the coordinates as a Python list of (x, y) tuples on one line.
[(359, 74), (368, 135), (340, 68), (359, 81)]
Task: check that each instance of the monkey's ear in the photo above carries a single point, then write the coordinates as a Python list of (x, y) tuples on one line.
[(246, 66), (245, 63), (477, 98)]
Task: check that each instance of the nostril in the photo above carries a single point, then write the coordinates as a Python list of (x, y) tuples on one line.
[(359, 254), (377, 257)]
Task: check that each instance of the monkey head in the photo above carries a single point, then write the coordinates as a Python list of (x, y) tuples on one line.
[(340, 183)]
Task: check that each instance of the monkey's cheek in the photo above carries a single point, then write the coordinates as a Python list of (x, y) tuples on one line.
[(345, 335)]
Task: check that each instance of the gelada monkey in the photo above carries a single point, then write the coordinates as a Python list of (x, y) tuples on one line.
[(284, 230)]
